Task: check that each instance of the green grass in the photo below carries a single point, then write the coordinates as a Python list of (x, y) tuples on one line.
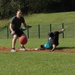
[(46, 19), (32, 63), (53, 18), (35, 42), (37, 63), (40, 63)]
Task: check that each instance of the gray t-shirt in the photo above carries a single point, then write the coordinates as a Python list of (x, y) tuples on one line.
[(16, 22)]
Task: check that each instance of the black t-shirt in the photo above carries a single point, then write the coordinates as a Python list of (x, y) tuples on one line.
[(16, 22), (52, 41), (55, 40)]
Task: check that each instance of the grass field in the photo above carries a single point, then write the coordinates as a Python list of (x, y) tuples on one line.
[(46, 19), (53, 18), (33, 43), (37, 63), (41, 63)]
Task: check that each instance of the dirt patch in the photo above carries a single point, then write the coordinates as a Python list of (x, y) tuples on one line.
[(4, 49)]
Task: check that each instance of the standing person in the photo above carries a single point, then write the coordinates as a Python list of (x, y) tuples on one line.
[(15, 30), (53, 41)]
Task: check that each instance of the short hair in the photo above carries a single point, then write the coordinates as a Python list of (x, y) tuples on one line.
[(51, 34), (19, 10)]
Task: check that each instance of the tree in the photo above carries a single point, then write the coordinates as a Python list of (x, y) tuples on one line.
[(4, 8), (9, 7)]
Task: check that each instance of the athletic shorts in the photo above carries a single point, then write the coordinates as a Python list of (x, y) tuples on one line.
[(18, 32)]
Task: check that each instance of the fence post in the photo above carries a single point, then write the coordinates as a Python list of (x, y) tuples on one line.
[(50, 27), (7, 32), (63, 28), (39, 31), (28, 33)]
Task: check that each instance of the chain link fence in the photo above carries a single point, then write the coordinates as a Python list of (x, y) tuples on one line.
[(41, 31)]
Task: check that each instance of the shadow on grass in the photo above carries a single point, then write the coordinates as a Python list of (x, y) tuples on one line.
[(61, 48)]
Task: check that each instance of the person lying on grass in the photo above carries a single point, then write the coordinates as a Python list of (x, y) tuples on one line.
[(53, 41)]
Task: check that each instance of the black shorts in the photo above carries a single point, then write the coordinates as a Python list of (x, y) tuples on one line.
[(18, 32)]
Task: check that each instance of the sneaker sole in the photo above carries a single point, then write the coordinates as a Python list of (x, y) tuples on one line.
[(36, 49)]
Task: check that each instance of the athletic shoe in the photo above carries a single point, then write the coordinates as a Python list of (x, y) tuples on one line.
[(39, 48), (23, 48), (13, 50)]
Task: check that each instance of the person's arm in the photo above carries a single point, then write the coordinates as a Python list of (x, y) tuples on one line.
[(10, 27), (24, 24), (53, 47)]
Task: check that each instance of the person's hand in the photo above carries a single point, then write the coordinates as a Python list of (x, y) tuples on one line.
[(63, 30), (12, 32)]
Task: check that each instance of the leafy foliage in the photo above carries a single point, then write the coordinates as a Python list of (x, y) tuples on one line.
[(9, 7)]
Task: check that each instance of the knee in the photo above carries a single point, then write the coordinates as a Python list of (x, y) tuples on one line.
[(15, 37)]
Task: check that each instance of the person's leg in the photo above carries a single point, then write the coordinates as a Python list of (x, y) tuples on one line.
[(14, 42), (41, 48), (22, 46), (19, 34)]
